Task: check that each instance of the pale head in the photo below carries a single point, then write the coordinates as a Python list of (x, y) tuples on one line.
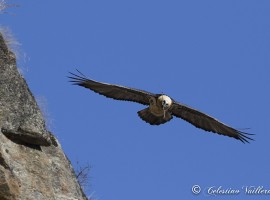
[(166, 101)]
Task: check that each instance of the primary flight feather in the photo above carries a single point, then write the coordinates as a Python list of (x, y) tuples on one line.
[(161, 108)]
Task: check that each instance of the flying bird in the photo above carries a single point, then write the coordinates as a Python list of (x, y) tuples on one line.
[(161, 108)]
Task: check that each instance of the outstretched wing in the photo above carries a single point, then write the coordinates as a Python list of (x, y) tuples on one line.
[(207, 123), (112, 91)]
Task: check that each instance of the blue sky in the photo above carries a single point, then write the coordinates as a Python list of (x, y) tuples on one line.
[(211, 55)]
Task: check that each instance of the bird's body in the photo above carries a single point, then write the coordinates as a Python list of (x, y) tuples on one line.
[(161, 108), (158, 111)]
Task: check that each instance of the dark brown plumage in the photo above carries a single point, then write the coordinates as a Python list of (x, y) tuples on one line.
[(161, 107)]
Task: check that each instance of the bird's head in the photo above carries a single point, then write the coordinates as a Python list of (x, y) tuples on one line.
[(166, 102)]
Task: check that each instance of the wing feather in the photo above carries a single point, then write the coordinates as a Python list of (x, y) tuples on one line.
[(112, 91), (207, 123)]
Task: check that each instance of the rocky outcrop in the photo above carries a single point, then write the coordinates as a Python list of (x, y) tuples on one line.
[(32, 163)]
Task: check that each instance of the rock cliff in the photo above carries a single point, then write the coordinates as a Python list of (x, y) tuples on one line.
[(32, 164)]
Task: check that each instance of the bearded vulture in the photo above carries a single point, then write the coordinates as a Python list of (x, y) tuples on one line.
[(161, 108)]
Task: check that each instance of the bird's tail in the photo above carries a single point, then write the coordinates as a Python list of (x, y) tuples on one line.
[(152, 119)]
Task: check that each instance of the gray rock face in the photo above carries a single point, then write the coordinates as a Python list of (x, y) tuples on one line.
[(32, 163)]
